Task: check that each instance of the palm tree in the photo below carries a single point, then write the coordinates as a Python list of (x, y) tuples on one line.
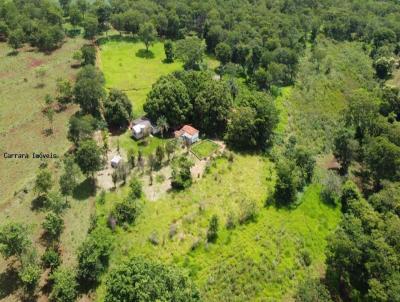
[(162, 124)]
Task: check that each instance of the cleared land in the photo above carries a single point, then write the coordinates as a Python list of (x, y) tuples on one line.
[(21, 120), (21, 130), (268, 251), (127, 66)]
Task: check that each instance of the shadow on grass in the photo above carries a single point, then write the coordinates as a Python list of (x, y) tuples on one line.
[(116, 38), (85, 189), (8, 282), (145, 54), (13, 53), (166, 61), (38, 203)]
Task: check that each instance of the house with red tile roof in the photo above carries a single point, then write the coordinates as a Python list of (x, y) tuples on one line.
[(188, 133)]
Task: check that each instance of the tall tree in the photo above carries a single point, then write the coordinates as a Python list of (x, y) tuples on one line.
[(89, 157), (147, 34), (168, 98), (13, 239), (89, 90)]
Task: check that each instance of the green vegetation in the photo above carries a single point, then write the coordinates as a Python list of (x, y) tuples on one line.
[(126, 69), (204, 148), (181, 221), (306, 189)]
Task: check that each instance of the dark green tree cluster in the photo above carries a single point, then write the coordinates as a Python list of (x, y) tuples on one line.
[(181, 175), (295, 170), (252, 122), (363, 254), (126, 212), (93, 256), (194, 97), (38, 23), (370, 137), (142, 280)]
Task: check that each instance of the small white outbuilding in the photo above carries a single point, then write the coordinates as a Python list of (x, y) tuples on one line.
[(116, 160)]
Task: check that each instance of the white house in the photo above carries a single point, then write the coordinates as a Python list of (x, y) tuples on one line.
[(188, 133), (141, 127)]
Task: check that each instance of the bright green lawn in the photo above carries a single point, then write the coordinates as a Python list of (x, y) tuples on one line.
[(124, 68), (126, 142), (204, 148), (259, 261)]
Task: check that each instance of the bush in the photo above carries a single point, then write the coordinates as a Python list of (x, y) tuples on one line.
[(53, 225), (181, 175), (312, 291), (332, 187), (93, 255), (135, 188), (153, 238), (30, 272), (51, 259), (230, 221), (286, 184), (65, 285), (248, 211), (143, 280), (212, 232), (126, 211)]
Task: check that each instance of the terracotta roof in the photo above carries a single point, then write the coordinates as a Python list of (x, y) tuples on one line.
[(189, 130)]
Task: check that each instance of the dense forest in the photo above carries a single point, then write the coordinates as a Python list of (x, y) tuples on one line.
[(336, 57)]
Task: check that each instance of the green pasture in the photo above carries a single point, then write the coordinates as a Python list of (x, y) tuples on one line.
[(127, 66), (257, 261)]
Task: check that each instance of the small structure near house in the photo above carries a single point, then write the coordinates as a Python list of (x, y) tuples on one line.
[(188, 133), (142, 127), (116, 160)]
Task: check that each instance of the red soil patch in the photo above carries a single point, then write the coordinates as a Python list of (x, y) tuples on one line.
[(32, 62)]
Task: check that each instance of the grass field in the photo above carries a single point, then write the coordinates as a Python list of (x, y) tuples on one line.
[(204, 148), (126, 66), (21, 120), (257, 261), (126, 142), (21, 130), (318, 99)]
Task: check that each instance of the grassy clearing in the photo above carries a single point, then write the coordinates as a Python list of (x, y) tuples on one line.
[(22, 99), (204, 148), (21, 127), (126, 66), (321, 91), (267, 251), (126, 142)]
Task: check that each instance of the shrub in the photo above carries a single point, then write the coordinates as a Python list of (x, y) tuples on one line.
[(181, 175), (230, 221), (142, 280), (65, 285), (53, 225), (135, 188), (153, 238), (51, 259), (248, 211), (126, 211), (93, 255), (212, 232)]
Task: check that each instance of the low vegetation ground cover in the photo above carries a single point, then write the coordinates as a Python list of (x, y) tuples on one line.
[(204, 148), (22, 94), (327, 76), (127, 66), (173, 230)]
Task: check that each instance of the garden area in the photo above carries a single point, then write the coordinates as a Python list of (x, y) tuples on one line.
[(204, 149)]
